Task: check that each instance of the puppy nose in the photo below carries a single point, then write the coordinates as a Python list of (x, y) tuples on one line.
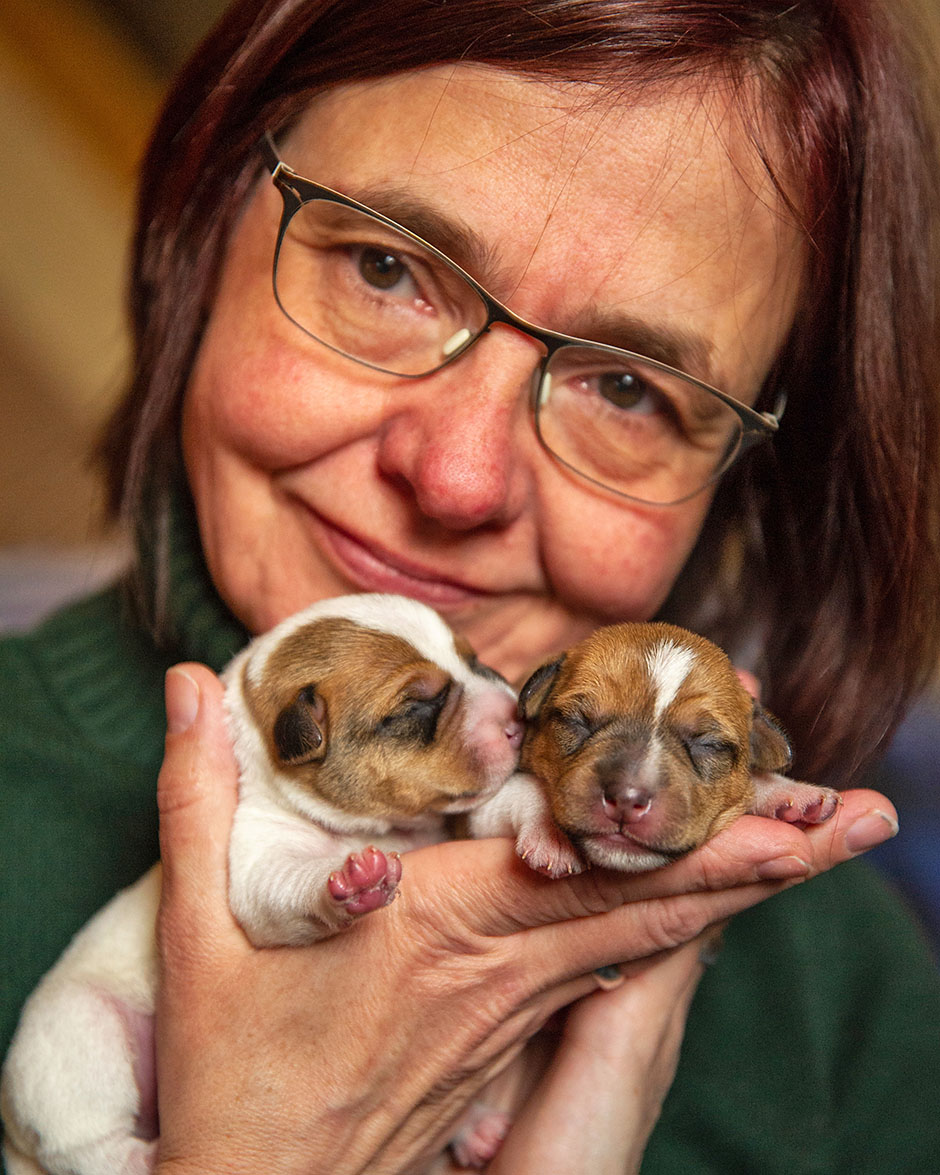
[(629, 805), (514, 733)]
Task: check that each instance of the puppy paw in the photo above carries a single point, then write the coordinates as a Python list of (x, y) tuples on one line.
[(479, 1136), (547, 850), (367, 881), (796, 803)]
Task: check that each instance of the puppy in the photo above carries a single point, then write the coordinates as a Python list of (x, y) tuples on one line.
[(361, 719), (641, 744)]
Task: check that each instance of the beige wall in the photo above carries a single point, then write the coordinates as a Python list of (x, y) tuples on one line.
[(75, 105)]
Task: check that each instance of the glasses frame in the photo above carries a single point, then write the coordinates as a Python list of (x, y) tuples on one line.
[(296, 190)]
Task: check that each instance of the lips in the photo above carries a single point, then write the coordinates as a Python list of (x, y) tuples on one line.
[(371, 568)]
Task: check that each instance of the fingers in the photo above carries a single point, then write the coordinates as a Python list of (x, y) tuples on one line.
[(600, 1098), (864, 820), (480, 894), (497, 894), (196, 793)]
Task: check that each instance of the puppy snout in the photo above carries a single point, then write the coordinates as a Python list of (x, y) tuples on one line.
[(494, 730), (629, 783), (627, 805)]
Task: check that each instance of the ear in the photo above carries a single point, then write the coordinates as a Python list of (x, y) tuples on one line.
[(533, 694), (770, 747), (300, 729)]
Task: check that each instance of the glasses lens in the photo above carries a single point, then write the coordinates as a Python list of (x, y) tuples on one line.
[(373, 293), (626, 424)]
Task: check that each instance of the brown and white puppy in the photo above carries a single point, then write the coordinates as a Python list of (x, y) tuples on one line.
[(361, 721), (641, 744)]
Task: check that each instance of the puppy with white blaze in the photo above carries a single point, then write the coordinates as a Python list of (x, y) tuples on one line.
[(641, 743), (361, 721)]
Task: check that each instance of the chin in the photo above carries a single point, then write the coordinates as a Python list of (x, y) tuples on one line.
[(632, 857)]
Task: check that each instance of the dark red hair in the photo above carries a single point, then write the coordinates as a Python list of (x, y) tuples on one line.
[(820, 560)]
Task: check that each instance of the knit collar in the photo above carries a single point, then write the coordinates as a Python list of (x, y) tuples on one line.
[(200, 626)]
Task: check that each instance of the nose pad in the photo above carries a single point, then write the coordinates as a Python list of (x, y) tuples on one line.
[(514, 731), (628, 805), (508, 722)]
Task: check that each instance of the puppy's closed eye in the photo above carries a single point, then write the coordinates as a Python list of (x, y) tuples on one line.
[(415, 719), (712, 756), (572, 729)]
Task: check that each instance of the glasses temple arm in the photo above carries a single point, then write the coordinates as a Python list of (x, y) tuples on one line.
[(272, 160)]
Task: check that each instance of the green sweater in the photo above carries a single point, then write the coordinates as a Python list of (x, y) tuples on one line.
[(813, 1044)]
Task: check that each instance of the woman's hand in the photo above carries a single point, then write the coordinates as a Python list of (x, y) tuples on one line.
[(359, 1053)]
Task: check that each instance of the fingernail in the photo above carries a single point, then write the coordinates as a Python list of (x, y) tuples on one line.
[(608, 977), (782, 869), (711, 948), (182, 701), (872, 829)]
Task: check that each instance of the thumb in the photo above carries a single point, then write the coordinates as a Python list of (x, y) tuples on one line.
[(196, 796)]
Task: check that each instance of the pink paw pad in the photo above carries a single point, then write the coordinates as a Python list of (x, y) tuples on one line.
[(809, 807), (481, 1137), (367, 881)]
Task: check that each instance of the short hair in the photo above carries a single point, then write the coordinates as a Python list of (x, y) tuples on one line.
[(820, 557)]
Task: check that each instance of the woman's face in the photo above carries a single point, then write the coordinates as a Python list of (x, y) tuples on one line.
[(314, 477)]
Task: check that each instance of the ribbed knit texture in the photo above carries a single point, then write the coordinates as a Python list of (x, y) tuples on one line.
[(81, 733)]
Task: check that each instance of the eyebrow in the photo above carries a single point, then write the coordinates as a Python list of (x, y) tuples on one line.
[(686, 350), (455, 239)]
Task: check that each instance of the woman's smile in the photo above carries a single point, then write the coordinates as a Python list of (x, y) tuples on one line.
[(372, 567)]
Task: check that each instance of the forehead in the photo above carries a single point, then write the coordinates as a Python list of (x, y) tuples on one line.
[(641, 667), (652, 205)]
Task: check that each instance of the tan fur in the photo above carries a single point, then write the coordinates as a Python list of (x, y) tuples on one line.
[(363, 678), (605, 681)]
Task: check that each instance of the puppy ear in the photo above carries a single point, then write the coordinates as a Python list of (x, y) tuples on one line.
[(300, 729), (770, 747), (533, 694)]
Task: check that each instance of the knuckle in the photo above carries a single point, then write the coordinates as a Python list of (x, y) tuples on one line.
[(674, 921)]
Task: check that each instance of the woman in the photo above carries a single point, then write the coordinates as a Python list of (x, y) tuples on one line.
[(741, 195)]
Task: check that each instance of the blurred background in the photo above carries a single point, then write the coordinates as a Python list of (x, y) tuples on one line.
[(80, 84)]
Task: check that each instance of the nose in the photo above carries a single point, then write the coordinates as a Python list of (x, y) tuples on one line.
[(628, 805), (460, 442), (630, 780)]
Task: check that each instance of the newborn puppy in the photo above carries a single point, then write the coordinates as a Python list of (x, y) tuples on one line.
[(361, 719), (641, 744)]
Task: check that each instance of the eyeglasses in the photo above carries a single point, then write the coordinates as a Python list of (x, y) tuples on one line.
[(373, 291)]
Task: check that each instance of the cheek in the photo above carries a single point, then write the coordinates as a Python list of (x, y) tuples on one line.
[(260, 388), (616, 560), (260, 397)]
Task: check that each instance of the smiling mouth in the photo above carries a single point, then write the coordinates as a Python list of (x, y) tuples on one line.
[(373, 569)]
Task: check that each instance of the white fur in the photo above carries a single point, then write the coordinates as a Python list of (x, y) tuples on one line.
[(669, 665), (70, 1095)]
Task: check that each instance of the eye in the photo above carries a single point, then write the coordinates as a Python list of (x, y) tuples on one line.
[(383, 270), (573, 729), (711, 755), (625, 390), (415, 719)]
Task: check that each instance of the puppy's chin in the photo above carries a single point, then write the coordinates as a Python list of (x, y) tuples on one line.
[(619, 852), (466, 803)]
